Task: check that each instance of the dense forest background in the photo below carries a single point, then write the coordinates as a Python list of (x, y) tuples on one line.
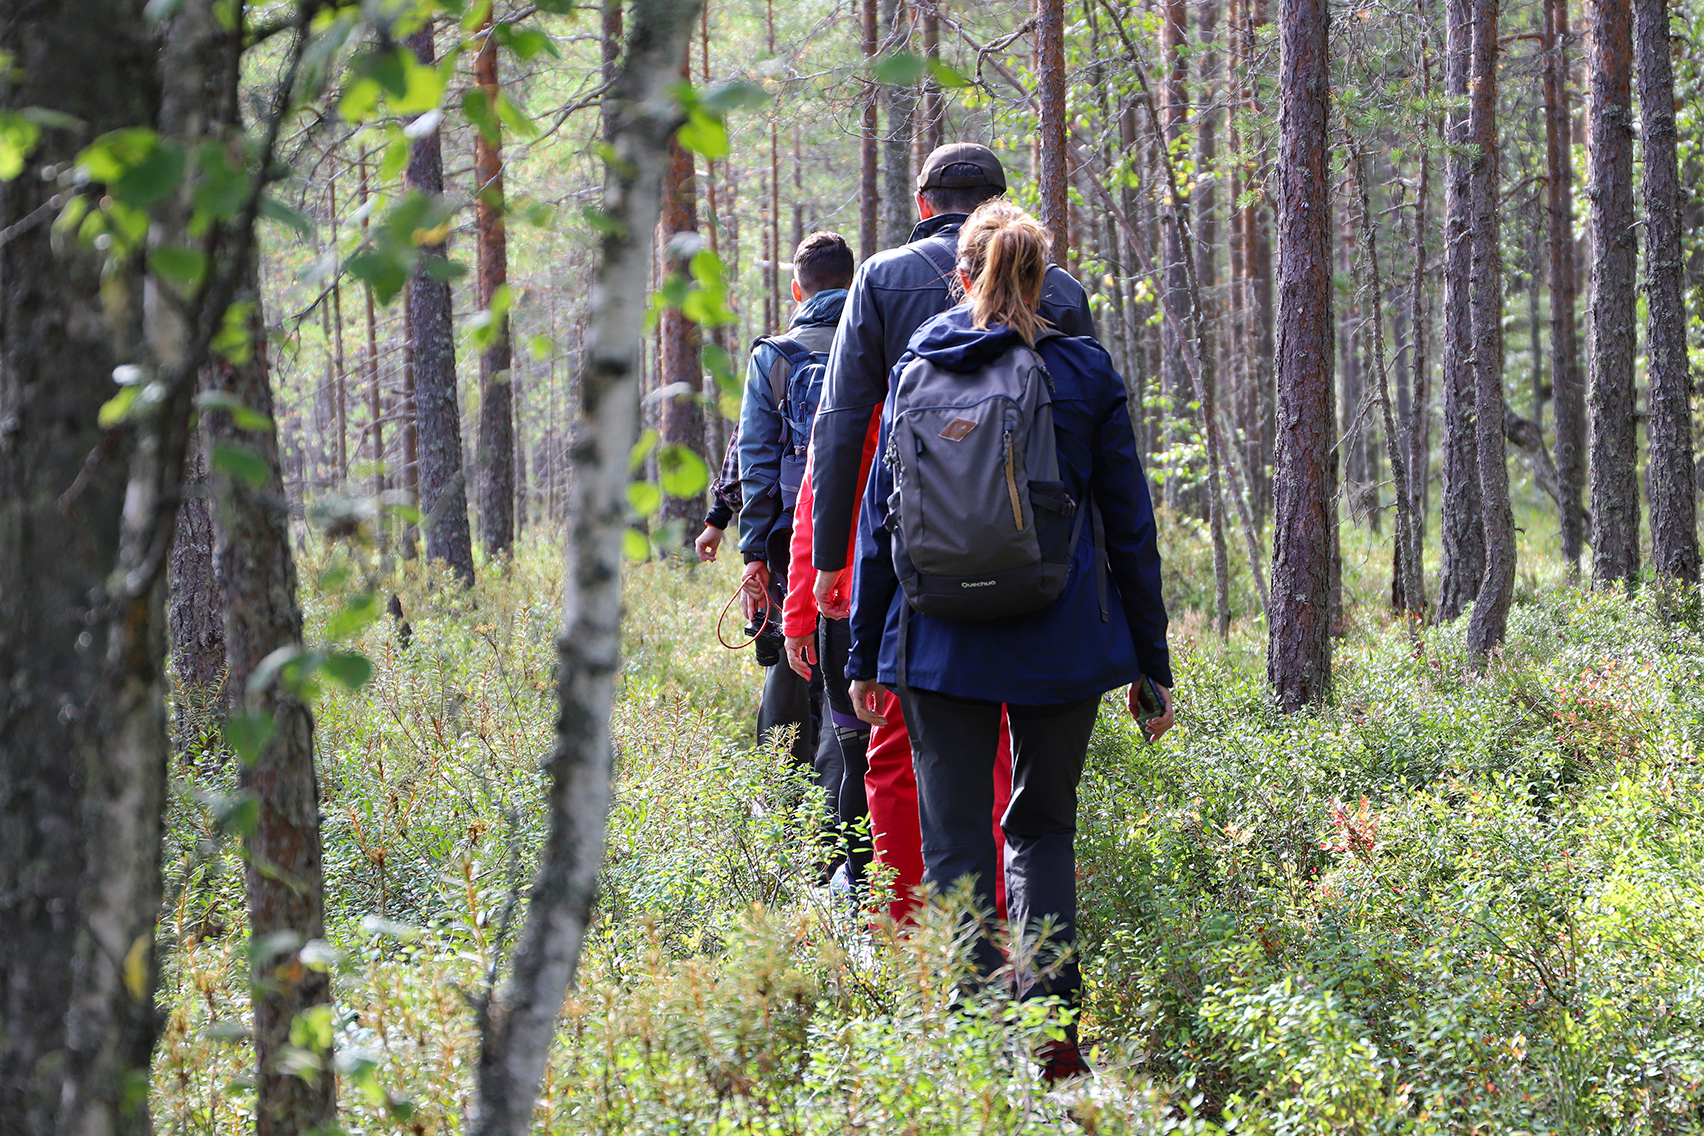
[(363, 367)]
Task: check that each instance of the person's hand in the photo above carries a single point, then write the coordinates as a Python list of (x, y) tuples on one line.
[(867, 697), (754, 588), (801, 654), (1155, 726), (708, 542), (834, 593)]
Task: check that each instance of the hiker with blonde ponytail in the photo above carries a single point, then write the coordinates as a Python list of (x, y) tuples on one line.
[(1007, 556)]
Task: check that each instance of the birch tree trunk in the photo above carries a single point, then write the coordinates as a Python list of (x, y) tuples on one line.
[(518, 1022)]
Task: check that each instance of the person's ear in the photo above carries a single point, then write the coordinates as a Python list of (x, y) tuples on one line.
[(964, 279), (923, 210), (798, 292)]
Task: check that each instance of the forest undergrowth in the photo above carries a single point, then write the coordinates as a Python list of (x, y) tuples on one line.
[(1452, 901)]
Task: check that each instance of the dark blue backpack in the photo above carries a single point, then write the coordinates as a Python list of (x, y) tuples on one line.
[(795, 382)]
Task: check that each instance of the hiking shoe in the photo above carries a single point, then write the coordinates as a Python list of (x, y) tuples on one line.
[(1061, 1062)]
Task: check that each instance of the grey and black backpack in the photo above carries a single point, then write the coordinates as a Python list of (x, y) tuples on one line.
[(982, 524)]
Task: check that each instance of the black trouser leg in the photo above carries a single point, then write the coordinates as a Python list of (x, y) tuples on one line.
[(953, 745), (853, 805), (786, 697), (1048, 747)]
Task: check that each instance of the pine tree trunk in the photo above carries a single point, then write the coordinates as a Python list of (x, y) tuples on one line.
[(443, 484), (1173, 118), (496, 396), (869, 187), (286, 888), (62, 483), (1052, 179), (1489, 624), (1298, 660), (1567, 393), (1614, 440), (194, 601), (934, 106), (517, 1023), (898, 212), (1674, 494), (1463, 530)]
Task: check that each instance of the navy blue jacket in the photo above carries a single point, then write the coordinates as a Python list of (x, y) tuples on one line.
[(892, 295), (762, 432), (1065, 651)]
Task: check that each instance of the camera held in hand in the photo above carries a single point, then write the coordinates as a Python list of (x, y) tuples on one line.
[(764, 630)]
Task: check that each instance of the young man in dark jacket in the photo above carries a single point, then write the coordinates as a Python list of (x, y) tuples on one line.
[(822, 268)]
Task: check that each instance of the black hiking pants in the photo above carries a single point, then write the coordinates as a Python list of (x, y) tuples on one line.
[(953, 746), (850, 736)]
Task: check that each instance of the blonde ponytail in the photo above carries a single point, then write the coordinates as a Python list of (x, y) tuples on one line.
[(1005, 251)]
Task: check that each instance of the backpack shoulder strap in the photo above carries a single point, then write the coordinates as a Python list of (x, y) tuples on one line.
[(937, 256), (793, 354)]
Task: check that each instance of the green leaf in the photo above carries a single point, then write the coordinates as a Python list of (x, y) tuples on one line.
[(234, 341), (240, 814), (353, 617), (246, 735), (478, 109), (108, 157), (515, 118), (900, 70), (360, 101), (18, 139), (682, 472), (526, 43), (241, 416), (395, 159), (641, 450), (541, 346), (634, 546), (444, 270), (274, 210), (220, 187), (385, 273), (312, 1029), (182, 266), (725, 98), (117, 408), (241, 463), (153, 179), (704, 135), (349, 668), (947, 75), (423, 88), (644, 498)]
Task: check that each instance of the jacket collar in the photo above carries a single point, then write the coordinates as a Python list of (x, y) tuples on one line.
[(822, 308), (941, 224)]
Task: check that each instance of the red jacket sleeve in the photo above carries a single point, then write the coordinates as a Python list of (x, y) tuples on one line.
[(799, 613)]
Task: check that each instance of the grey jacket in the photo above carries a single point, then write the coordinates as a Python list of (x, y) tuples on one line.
[(892, 295)]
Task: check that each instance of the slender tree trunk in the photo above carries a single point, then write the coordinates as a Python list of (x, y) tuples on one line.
[(1673, 488), (443, 484), (1489, 624), (517, 1023), (869, 187), (897, 186), (1298, 659), (496, 395), (934, 106), (1614, 439), (194, 602), (682, 416), (1566, 392), (1173, 107), (1052, 178), (257, 572), (1463, 530), (62, 483), (1407, 563)]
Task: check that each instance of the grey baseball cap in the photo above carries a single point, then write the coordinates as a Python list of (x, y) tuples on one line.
[(990, 172)]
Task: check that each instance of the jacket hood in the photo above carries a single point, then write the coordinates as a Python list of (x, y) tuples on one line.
[(822, 308), (953, 343)]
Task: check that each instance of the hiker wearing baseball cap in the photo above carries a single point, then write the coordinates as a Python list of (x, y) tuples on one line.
[(892, 295)]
